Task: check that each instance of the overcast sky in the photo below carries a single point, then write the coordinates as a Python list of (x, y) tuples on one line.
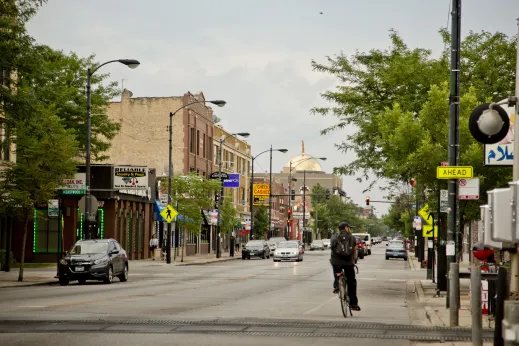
[(255, 55)]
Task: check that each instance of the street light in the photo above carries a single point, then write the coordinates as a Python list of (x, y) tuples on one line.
[(304, 184), (251, 202), (219, 103), (131, 63), (242, 134)]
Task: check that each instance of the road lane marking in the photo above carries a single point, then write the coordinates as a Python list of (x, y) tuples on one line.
[(320, 305), (32, 306)]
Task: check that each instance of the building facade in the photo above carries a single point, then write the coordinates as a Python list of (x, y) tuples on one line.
[(279, 205)]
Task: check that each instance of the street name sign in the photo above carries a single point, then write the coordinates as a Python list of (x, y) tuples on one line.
[(454, 172)]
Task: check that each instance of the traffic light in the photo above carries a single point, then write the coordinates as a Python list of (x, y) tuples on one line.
[(293, 194), (367, 200), (327, 193), (289, 214), (288, 222)]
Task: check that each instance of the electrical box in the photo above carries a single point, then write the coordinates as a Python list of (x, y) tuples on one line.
[(484, 231), (514, 205), (500, 216)]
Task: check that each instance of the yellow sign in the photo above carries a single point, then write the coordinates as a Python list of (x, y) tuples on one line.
[(261, 189), (260, 200), (427, 231), (424, 213), (454, 172), (169, 213)]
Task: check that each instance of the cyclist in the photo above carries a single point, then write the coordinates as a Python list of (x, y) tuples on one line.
[(344, 259)]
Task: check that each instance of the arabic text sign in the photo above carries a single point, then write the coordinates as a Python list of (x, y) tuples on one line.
[(499, 154), (261, 190), (454, 172)]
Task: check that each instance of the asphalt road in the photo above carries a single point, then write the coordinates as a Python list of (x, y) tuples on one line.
[(256, 291)]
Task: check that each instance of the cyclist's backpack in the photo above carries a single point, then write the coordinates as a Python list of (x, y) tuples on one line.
[(342, 246)]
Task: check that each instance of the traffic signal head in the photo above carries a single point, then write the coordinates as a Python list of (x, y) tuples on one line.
[(367, 200), (293, 194), (289, 213), (288, 222)]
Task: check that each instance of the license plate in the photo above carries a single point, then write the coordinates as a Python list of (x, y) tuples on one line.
[(80, 269), (252, 253)]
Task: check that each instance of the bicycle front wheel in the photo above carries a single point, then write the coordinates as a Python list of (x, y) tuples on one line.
[(343, 296)]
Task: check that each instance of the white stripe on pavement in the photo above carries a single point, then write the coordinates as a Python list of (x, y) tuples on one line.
[(320, 305)]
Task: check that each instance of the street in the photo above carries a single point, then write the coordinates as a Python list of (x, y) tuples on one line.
[(248, 301)]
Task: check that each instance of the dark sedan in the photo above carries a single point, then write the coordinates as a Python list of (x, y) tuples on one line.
[(255, 248), (396, 250), (96, 259)]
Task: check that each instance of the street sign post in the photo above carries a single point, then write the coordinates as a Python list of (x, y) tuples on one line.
[(454, 172)]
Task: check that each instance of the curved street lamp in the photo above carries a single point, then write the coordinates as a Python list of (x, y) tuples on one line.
[(131, 63), (219, 103), (251, 204)]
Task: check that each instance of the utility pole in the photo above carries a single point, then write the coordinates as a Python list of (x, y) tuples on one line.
[(270, 193), (454, 114)]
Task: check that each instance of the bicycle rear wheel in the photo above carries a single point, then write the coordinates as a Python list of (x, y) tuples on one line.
[(343, 296)]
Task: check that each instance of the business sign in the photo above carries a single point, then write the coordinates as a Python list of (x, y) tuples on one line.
[(232, 181), (261, 189), (260, 200), (130, 178), (468, 188), (76, 183), (499, 154), (454, 172), (217, 175)]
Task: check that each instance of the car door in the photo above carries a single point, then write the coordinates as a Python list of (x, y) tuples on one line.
[(116, 258)]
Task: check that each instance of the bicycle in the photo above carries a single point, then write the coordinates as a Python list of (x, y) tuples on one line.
[(343, 292)]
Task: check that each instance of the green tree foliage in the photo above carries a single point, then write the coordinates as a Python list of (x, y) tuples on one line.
[(192, 193), (45, 156), (261, 222), (398, 100), (228, 218)]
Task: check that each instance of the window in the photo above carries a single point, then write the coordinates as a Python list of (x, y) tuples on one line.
[(191, 238), (209, 146), (215, 154), (204, 152), (4, 143), (231, 160), (4, 78), (197, 172), (197, 142), (45, 232), (191, 169), (192, 140)]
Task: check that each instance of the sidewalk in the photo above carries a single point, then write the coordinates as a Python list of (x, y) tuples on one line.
[(435, 307), (46, 276)]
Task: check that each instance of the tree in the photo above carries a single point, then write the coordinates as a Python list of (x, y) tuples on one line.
[(228, 217), (46, 153), (192, 193), (402, 78), (261, 222)]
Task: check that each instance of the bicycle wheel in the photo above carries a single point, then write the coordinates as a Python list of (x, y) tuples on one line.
[(343, 296)]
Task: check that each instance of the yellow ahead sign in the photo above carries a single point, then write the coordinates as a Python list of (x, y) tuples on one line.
[(168, 213), (454, 172)]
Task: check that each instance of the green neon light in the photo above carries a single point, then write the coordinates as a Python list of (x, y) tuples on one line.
[(134, 236), (34, 231), (102, 222), (129, 231), (80, 225)]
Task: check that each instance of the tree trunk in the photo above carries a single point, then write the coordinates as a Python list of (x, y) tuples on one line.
[(24, 241)]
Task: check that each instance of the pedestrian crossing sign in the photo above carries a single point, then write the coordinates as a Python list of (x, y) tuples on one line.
[(168, 213)]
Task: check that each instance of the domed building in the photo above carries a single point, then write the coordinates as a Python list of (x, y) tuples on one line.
[(305, 171)]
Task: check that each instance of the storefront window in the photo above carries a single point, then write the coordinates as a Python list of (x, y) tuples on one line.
[(46, 237)]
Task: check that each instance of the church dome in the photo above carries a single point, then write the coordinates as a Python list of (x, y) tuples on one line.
[(304, 162)]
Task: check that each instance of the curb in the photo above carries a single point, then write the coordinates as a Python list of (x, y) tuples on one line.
[(432, 317), (419, 290), (180, 264), (32, 284)]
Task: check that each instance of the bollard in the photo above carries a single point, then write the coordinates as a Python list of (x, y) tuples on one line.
[(511, 323), (475, 302), (454, 297), (502, 293)]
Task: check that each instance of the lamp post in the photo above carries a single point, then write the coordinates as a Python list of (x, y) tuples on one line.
[(219, 103), (245, 135), (131, 63), (251, 202), (304, 183)]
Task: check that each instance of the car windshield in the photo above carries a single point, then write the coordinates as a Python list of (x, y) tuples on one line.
[(272, 243), (254, 243), (288, 245), (89, 248)]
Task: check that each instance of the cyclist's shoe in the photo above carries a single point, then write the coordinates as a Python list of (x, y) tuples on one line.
[(355, 308), (335, 290)]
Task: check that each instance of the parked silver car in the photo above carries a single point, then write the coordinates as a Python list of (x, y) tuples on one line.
[(317, 245)]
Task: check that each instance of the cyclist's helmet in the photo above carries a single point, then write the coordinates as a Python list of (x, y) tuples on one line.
[(343, 225)]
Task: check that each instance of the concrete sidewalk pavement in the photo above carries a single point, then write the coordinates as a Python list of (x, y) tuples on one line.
[(45, 276), (435, 307)]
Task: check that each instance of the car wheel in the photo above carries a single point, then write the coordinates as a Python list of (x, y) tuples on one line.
[(405, 258), (248, 258), (369, 252), (124, 276), (110, 276), (81, 281), (361, 255), (63, 281), (301, 260), (387, 258), (263, 257)]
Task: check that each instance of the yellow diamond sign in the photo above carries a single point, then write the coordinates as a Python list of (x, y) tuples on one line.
[(168, 213)]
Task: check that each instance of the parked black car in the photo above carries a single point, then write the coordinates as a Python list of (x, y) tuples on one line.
[(255, 248), (96, 259)]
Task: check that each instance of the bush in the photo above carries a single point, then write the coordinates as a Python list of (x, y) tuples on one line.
[(2, 259)]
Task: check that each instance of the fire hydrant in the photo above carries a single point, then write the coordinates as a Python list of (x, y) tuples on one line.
[(424, 264)]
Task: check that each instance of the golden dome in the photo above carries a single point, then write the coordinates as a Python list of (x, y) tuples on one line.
[(304, 162)]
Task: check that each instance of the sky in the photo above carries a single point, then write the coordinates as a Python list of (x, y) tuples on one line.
[(256, 56)]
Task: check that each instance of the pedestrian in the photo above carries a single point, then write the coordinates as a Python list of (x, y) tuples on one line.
[(154, 243), (231, 249), (164, 245)]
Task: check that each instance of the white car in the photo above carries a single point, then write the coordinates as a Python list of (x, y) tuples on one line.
[(367, 238), (326, 243), (288, 251)]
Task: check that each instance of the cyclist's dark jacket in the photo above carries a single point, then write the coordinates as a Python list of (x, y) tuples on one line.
[(338, 260)]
